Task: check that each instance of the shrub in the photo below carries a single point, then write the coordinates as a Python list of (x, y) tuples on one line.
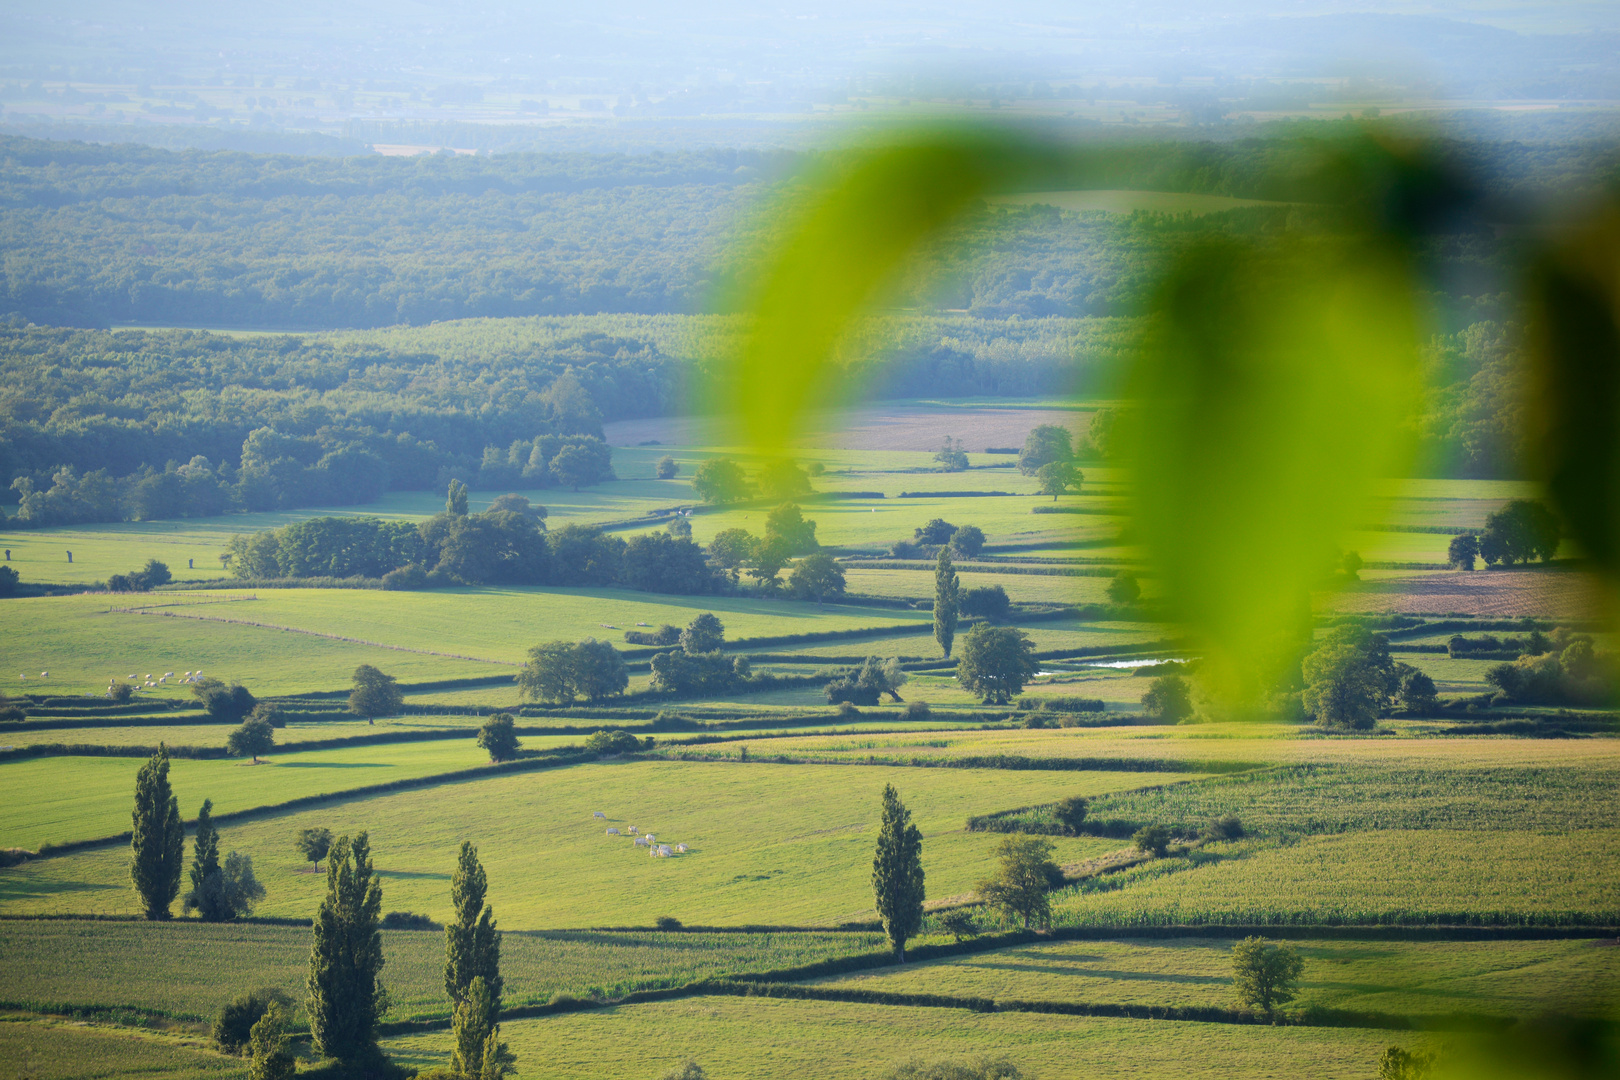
[(270, 713), (121, 693), (959, 923), (612, 743), (916, 710), (1223, 828), (1152, 839), (234, 1024), (967, 541), (1397, 1064), (1169, 698), (408, 920), (664, 635), (408, 578), (1071, 813), (989, 602), (847, 710), (666, 469), (227, 704), (936, 531), (690, 1071), (1034, 720), (978, 1068), (667, 922)]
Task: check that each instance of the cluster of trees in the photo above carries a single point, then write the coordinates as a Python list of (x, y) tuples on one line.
[(1566, 670), (145, 579), (205, 424), (867, 684), (506, 544), (1522, 530), (557, 672), (787, 533), (720, 480), (697, 666), (344, 995), (220, 889), (965, 541), (1350, 679)]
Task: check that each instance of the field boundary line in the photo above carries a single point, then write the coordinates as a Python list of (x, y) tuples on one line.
[(311, 633)]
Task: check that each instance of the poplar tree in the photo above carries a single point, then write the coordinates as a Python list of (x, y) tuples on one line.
[(345, 995), (157, 838), (205, 865), (947, 601), (472, 944), (479, 1051), (897, 873)]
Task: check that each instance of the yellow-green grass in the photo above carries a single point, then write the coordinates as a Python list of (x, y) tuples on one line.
[(63, 799), (503, 623), (878, 523), (185, 969), (1130, 202), (51, 1050), (84, 647), (1398, 546), (291, 737), (778, 844), (1389, 875), (1020, 588), (766, 1039), (1494, 978)]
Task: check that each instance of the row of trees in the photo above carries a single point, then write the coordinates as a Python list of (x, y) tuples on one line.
[(721, 480), (1519, 532)]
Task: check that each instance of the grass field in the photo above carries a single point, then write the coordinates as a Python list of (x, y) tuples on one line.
[(80, 798), (50, 1050), (153, 966), (770, 843), (1416, 979), (762, 1039), (1391, 875)]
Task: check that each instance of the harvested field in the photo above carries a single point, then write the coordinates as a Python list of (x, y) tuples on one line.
[(1555, 593)]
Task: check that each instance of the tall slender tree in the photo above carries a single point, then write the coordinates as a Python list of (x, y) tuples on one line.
[(947, 600), (157, 838), (479, 1051), (472, 944), (345, 994), (897, 873), (205, 866)]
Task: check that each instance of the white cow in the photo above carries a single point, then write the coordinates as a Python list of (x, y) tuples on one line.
[(651, 838), (599, 815), (662, 851), (681, 848), (632, 830), (614, 832), (641, 841)]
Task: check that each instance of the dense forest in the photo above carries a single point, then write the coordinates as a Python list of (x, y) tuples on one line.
[(97, 235), (1019, 301)]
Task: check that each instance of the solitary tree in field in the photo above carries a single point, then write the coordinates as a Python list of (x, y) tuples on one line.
[(1022, 879), (1057, 478), (666, 468), (719, 480), (1152, 840), (158, 838), (817, 577), (253, 738), (1349, 678), (345, 994), (897, 873), (499, 738), (1169, 698), (704, 634), (1044, 445), (1071, 813), (1264, 976), (313, 844), (947, 601), (374, 694), (1462, 551), (996, 662), (1124, 589)]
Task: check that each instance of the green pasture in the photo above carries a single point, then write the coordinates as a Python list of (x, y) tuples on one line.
[(765, 1039), (1130, 202), (62, 1050), (56, 965), (1389, 875), (769, 843), (1020, 588), (85, 645), (63, 799), (1417, 979)]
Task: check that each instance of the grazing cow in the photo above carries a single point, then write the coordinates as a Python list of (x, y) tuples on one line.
[(599, 815), (641, 841), (650, 837), (614, 832), (662, 851), (681, 848), (632, 830)]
